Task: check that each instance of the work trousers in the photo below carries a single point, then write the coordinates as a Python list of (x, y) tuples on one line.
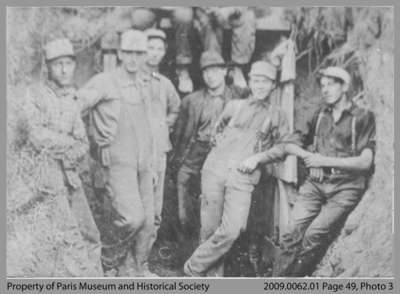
[(187, 181), (87, 226), (130, 205), (318, 215), (158, 196), (225, 205), (210, 29), (211, 33)]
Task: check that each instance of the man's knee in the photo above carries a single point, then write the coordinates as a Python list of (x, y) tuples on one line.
[(314, 237), (227, 235), (183, 15), (132, 223), (183, 176)]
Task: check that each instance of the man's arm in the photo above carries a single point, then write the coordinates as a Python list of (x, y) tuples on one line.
[(40, 135), (282, 150), (181, 123), (284, 144), (80, 146), (230, 110), (173, 105), (364, 148), (95, 90), (361, 162)]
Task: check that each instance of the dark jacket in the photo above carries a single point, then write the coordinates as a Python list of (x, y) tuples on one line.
[(187, 124)]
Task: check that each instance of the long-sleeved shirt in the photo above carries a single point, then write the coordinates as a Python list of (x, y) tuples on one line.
[(54, 124), (212, 110), (251, 126), (189, 119)]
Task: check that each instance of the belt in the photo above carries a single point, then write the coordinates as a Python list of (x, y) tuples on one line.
[(331, 172), (334, 171)]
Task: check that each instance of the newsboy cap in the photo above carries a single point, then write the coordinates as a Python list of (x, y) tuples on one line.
[(336, 72), (134, 40), (211, 58), (155, 33), (263, 68), (59, 48)]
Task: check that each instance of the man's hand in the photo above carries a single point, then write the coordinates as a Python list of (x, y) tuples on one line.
[(314, 160), (249, 164), (316, 174)]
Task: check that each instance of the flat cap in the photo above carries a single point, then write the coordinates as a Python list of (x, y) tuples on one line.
[(263, 68), (336, 72), (155, 33), (134, 40), (58, 48), (211, 58)]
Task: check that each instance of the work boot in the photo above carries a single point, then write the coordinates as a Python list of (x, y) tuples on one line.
[(185, 84), (148, 274), (238, 77)]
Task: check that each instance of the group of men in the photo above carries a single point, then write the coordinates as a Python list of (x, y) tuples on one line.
[(219, 135), (209, 23)]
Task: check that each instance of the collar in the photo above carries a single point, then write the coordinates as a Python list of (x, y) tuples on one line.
[(126, 80), (60, 91), (223, 95), (350, 110), (266, 103)]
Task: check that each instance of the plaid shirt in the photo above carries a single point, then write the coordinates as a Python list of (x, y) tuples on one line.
[(55, 125)]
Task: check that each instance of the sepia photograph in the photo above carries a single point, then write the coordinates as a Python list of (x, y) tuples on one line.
[(180, 141)]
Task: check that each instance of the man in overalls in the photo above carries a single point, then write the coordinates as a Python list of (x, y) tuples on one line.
[(250, 126), (123, 143), (196, 121)]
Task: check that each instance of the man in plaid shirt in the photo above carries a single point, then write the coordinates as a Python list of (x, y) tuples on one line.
[(55, 130)]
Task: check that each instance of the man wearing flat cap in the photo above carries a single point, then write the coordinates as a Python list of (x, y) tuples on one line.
[(123, 143), (56, 131), (341, 144), (193, 132), (245, 128), (165, 109)]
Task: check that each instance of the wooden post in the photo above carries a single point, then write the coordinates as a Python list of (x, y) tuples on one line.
[(286, 172), (109, 46)]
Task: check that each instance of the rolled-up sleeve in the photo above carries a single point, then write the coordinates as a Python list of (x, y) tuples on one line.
[(280, 136), (366, 133)]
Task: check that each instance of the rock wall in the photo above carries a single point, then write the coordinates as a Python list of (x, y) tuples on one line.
[(365, 247)]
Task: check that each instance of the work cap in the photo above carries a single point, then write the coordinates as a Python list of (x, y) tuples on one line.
[(211, 58), (263, 68), (134, 40), (155, 33), (58, 48), (336, 72)]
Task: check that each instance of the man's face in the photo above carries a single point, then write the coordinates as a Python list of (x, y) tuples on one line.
[(332, 90), (132, 61), (61, 70), (260, 86), (214, 76), (155, 51)]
